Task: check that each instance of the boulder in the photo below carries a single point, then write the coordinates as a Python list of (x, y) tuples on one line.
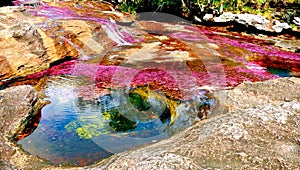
[(250, 21), (256, 126), (25, 48), (17, 106)]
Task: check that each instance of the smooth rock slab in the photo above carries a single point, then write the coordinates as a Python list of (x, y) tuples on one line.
[(31, 42), (25, 48), (256, 125)]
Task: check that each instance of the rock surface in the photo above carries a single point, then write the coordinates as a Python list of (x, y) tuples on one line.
[(256, 125), (20, 37), (30, 43), (17, 105), (256, 21), (34, 39)]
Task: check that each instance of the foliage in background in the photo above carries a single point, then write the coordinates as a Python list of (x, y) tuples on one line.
[(133, 6), (190, 8)]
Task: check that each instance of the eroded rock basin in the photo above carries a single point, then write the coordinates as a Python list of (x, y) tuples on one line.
[(83, 123), (254, 127), (147, 82)]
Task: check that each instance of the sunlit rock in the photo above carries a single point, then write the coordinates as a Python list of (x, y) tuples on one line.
[(25, 47), (278, 26), (81, 54), (31, 42), (251, 21), (17, 106), (255, 122)]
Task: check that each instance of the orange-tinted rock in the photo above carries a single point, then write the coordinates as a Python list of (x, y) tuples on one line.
[(94, 9), (30, 44), (4, 67), (25, 47)]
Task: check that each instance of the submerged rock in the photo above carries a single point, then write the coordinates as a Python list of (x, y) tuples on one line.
[(255, 125)]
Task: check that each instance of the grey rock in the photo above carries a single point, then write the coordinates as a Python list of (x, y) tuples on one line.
[(255, 126), (207, 17), (257, 21), (278, 26), (297, 21), (225, 17), (16, 106)]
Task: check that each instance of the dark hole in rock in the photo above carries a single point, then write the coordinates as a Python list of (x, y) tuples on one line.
[(20, 67), (6, 3), (79, 129), (67, 58)]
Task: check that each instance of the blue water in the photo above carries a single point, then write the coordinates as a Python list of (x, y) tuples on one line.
[(57, 138)]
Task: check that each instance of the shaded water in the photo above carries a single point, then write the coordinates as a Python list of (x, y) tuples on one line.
[(139, 90)]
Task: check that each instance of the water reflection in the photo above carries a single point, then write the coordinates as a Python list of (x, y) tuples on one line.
[(50, 140), (79, 129)]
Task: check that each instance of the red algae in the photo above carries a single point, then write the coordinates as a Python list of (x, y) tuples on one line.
[(53, 12), (263, 55), (241, 58), (173, 58)]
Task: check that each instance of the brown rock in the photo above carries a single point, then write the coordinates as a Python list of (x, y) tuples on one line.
[(95, 9), (30, 44), (26, 48), (4, 67)]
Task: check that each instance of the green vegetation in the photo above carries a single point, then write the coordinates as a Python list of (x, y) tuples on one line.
[(190, 8), (133, 6)]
